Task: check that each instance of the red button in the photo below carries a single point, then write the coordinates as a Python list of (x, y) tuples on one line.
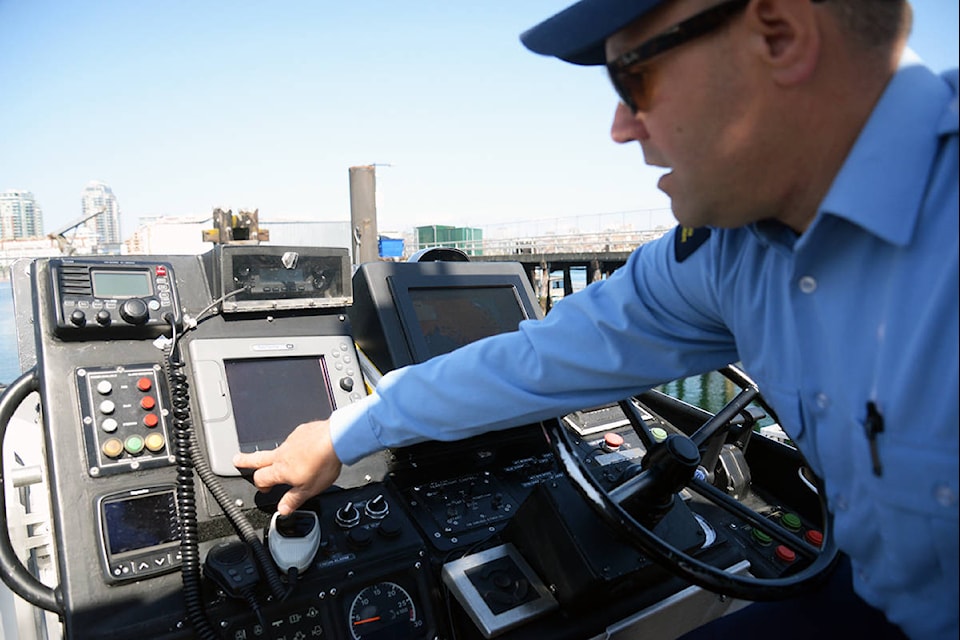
[(144, 384), (151, 420), (814, 537), (786, 554), (161, 270), (613, 441), (147, 402)]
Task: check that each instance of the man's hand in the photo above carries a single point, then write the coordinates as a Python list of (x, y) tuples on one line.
[(306, 461)]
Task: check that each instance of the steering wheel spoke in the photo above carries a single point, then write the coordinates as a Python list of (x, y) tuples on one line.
[(721, 420), (638, 423), (754, 519)]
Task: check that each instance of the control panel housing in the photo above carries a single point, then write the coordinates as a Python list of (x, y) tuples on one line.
[(124, 416)]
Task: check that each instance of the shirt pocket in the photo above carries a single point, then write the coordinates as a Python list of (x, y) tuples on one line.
[(915, 501), (786, 402)]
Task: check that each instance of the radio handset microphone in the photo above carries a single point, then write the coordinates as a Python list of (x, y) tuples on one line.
[(293, 540)]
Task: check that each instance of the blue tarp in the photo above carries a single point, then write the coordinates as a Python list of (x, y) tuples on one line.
[(390, 247)]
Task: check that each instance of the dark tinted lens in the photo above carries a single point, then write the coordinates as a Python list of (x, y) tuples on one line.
[(630, 87)]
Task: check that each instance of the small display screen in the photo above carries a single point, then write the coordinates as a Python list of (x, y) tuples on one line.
[(451, 317), (140, 522), (121, 284), (281, 275), (271, 396)]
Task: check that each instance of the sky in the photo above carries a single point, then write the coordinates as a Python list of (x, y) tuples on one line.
[(182, 107)]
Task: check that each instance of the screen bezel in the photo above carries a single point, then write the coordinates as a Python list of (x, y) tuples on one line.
[(214, 396), (111, 527)]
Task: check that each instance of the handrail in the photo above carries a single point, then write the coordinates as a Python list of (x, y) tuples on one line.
[(12, 571)]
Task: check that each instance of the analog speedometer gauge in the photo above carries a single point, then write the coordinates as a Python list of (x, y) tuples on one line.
[(384, 611)]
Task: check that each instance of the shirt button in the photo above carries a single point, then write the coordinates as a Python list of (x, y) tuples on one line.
[(840, 502), (808, 284), (823, 400), (945, 496)]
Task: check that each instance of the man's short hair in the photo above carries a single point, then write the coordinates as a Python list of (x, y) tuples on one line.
[(873, 23)]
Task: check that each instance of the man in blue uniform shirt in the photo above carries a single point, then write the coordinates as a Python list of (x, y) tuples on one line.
[(817, 160)]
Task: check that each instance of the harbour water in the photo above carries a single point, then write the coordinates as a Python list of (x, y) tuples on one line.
[(9, 356)]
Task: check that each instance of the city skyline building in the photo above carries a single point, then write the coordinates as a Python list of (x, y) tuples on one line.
[(20, 215), (98, 197)]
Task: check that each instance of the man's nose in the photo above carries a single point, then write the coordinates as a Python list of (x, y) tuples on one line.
[(626, 126)]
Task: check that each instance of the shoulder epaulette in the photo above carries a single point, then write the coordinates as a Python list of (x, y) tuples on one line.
[(686, 240)]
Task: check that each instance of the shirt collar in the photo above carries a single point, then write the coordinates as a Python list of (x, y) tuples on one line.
[(899, 139), (882, 183)]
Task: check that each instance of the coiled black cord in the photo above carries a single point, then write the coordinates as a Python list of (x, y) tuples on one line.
[(251, 600), (190, 458), (244, 529), (190, 569)]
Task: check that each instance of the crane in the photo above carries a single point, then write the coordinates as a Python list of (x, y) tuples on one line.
[(65, 243)]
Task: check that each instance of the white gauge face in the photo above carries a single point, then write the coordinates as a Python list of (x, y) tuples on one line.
[(383, 611)]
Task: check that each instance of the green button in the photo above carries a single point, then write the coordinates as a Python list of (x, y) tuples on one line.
[(133, 445), (761, 537), (791, 521), (659, 434)]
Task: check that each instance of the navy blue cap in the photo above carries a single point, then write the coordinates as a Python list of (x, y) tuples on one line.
[(577, 34)]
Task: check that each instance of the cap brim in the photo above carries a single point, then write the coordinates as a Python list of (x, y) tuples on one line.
[(578, 33)]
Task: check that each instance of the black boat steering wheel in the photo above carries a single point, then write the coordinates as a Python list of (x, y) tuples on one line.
[(669, 466)]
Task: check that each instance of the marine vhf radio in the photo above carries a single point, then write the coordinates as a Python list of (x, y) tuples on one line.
[(103, 299)]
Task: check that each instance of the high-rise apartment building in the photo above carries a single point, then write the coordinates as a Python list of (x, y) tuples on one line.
[(20, 215), (97, 196)]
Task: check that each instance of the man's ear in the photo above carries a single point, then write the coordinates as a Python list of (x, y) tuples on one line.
[(786, 35)]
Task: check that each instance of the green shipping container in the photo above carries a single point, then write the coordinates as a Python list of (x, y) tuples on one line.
[(467, 239)]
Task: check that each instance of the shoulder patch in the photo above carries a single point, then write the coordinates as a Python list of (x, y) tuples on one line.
[(687, 240)]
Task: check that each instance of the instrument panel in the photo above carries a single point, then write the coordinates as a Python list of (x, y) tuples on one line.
[(158, 535)]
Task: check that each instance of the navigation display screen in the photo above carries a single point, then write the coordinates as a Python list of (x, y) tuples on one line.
[(140, 522), (271, 396), (451, 317)]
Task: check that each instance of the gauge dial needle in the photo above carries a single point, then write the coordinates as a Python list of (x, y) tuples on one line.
[(366, 620)]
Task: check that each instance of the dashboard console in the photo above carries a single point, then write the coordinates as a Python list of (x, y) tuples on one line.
[(153, 372)]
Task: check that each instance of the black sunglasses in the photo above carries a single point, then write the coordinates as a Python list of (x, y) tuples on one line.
[(629, 82)]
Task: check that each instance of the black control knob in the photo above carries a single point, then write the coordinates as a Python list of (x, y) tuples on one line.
[(389, 527), (377, 508), (103, 318), (359, 538), (78, 318), (134, 311), (347, 516)]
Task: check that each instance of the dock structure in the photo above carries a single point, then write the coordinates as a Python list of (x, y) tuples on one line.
[(560, 255), (551, 260)]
